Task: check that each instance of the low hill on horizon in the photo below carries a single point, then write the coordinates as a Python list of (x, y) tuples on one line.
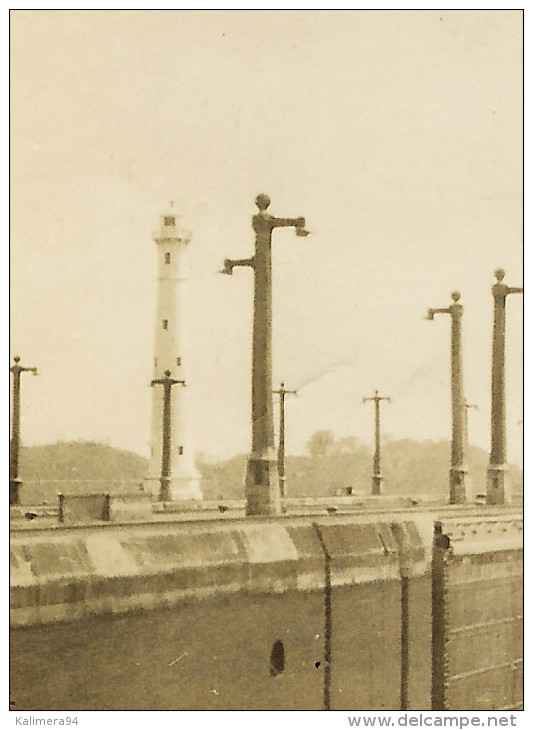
[(408, 467), (80, 460)]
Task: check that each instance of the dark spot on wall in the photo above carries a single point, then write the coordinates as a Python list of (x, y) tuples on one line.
[(277, 658)]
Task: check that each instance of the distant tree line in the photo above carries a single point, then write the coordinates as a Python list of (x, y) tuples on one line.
[(330, 466), (333, 464)]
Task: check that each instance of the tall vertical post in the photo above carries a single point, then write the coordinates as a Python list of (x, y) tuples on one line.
[(166, 459), (377, 477), (281, 445), (497, 490), (467, 406), (14, 481), (458, 470), (261, 486)]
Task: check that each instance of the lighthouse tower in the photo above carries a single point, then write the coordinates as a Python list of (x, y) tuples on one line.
[(171, 355)]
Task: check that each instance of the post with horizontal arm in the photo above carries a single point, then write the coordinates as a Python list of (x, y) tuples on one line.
[(282, 392), (261, 485), (167, 382), (14, 481), (467, 407), (458, 478), (498, 491), (377, 477)]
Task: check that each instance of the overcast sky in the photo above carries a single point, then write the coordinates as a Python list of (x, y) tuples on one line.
[(397, 134)]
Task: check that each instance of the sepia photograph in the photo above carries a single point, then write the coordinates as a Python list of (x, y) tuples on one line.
[(266, 364)]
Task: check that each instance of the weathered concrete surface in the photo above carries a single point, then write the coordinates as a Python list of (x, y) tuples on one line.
[(63, 576), (370, 566), (478, 598), (207, 655), (365, 622), (189, 615), (60, 575), (414, 543)]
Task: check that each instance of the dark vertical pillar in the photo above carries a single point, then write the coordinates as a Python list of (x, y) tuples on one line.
[(14, 446), (377, 477), (458, 470), (497, 490), (166, 465), (262, 477), (282, 392)]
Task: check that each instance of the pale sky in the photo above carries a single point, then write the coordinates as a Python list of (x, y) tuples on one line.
[(397, 134)]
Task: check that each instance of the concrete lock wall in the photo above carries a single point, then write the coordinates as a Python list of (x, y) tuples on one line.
[(295, 613), (478, 607)]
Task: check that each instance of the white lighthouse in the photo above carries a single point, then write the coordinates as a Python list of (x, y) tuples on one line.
[(171, 355)]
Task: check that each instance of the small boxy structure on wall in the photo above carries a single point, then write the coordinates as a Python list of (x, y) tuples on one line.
[(76, 508)]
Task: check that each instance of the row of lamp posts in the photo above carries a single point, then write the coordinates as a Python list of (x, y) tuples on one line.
[(497, 490), (265, 474), (262, 496)]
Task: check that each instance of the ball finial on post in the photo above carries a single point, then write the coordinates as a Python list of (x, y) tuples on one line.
[(262, 201)]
